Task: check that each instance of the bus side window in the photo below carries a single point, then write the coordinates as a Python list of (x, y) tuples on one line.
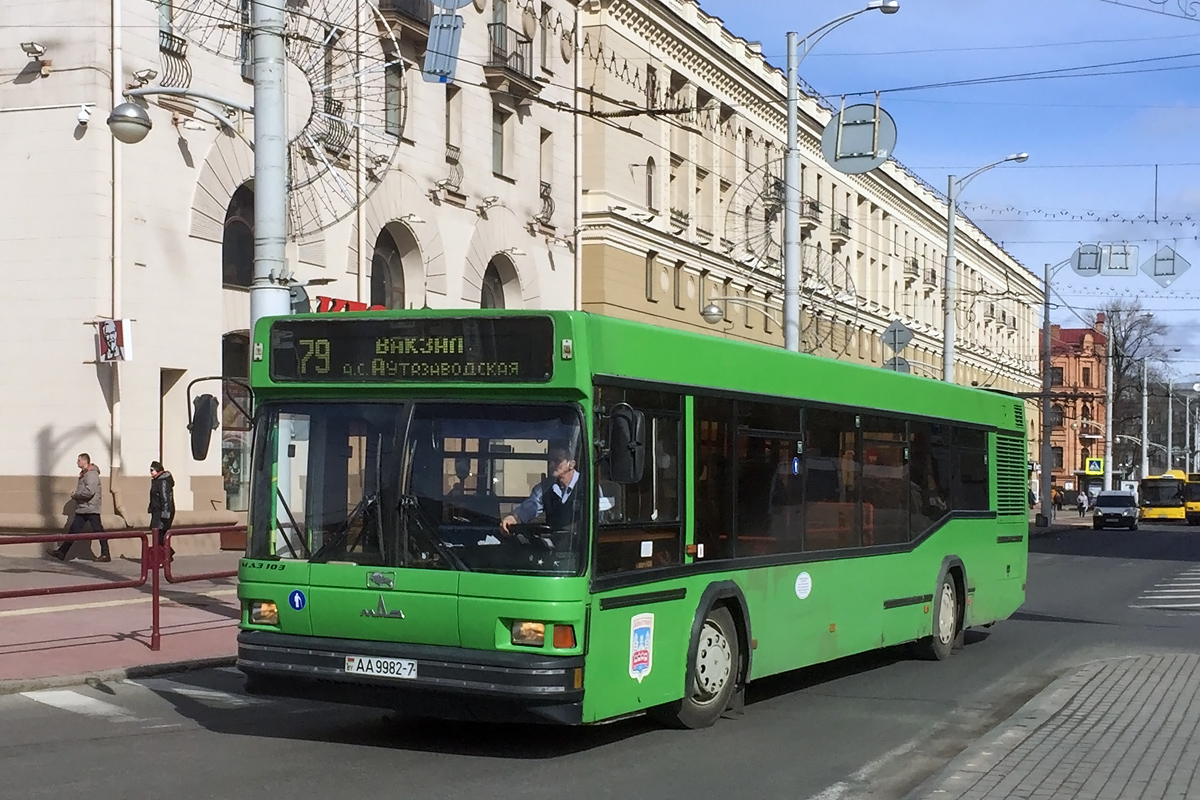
[(714, 478), (640, 525)]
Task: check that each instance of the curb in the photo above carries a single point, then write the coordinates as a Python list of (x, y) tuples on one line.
[(122, 673), (965, 770)]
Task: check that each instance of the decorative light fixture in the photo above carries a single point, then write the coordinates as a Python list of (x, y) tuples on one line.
[(412, 219), (129, 122), (144, 76), (34, 50)]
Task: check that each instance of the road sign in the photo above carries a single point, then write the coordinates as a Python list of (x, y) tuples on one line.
[(898, 364), (441, 53), (858, 139), (1086, 260), (1119, 260), (1093, 466), (897, 336), (1165, 266)]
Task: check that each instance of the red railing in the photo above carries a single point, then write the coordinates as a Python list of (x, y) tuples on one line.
[(153, 563)]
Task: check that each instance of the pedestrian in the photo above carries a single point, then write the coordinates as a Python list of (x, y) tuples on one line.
[(162, 501), (87, 499), (1082, 500)]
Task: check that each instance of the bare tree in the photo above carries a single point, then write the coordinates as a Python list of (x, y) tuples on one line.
[(1136, 337)]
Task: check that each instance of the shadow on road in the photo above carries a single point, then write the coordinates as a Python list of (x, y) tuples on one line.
[(1174, 544)]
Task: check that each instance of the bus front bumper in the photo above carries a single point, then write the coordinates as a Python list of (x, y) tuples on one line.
[(450, 682)]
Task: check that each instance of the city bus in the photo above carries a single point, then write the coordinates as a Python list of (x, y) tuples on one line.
[(569, 518), (1191, 498), (1162, 496)]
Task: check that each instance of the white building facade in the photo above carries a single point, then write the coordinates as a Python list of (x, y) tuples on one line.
[(476, 208)]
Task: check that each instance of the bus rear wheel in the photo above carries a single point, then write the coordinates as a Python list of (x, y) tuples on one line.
[(940, 645), (712, 675)]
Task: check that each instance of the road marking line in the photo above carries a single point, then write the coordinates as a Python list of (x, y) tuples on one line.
[(1171, 605), (208, 696), (26, 612), (77, 703)]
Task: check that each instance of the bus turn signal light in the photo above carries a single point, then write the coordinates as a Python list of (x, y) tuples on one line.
[(528, 634), (264, 612), (564, 637)]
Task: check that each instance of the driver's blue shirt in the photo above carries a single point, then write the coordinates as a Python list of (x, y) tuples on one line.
[(534, 505)]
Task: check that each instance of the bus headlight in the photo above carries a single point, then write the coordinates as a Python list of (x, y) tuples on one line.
[(264, 612), (528, 634)]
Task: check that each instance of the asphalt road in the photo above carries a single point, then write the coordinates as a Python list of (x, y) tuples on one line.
[(874, 726)]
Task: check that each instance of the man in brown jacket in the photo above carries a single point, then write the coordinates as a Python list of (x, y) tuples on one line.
[(87, 499)]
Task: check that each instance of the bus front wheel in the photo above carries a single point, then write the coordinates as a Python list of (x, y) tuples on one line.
[(940, 645), (712, 675)]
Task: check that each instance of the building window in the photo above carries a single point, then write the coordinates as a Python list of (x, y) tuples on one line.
[(1087, 376), (545, 31), (1056, 456), (1056, 376), (1056, 416), (500, 273), (651, 87), (166, 14), (453, 116), (237, 242), (393, 100), (651, 200), (499, 140), (246, 53), (546, 157)]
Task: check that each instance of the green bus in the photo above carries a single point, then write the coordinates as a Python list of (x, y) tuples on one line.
[(562, 517)]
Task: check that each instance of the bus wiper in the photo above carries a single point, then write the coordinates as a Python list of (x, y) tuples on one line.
[(343, 528), (295, 527), (409, 503)]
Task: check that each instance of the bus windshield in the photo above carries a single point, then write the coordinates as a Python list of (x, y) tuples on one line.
[(1162, 492), (471, 487)]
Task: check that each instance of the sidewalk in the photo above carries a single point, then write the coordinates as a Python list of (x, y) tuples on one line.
[(65, 639), (1117, 729)]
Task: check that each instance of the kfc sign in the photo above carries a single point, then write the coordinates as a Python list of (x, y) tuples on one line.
[(335, 305), (114, 340)]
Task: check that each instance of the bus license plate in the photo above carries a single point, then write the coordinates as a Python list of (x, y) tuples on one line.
[(381, 667)]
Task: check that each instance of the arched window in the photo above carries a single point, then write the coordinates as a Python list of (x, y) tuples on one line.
[(492, 295), (1056, 416), (237, 241), (651, 200), (387, 273)]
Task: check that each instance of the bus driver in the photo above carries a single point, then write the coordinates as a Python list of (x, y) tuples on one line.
[(554, 496)]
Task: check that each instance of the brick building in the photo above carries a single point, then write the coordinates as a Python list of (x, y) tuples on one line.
[(1077, 408)]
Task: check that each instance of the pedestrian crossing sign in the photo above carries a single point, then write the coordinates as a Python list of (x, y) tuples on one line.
[(1093, 466)]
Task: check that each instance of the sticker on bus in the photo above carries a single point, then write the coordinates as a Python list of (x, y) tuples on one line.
[(641, 646), (803, 585)]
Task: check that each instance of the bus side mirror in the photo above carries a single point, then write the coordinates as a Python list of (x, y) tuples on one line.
[(626, 444), (203, 422)]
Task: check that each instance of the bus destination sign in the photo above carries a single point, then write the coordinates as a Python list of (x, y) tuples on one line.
[(430, 349)]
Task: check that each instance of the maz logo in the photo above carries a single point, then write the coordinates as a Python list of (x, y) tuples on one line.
[(380, 611)]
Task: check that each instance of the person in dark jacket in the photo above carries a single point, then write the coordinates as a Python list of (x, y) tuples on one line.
[(87, 499), (162, 500)]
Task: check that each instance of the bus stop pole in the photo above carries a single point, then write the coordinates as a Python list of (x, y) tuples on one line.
[(155, 567)]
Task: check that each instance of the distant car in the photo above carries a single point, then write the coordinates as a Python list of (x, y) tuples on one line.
[(1115, 510)]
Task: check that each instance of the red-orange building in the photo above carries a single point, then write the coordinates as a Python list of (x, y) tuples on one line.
[(1077, 407)]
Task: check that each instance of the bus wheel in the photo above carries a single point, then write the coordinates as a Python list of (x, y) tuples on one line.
[(712, 677), (945, 622)]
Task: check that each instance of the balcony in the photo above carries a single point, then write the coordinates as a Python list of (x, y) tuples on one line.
[(546, 195), (912, 270), (411, 16), (929, 279), (172, 45), (509, 67), (839, 231), (680, 220), (810, 215)]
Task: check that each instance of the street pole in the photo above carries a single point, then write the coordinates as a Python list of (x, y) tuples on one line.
[(1145, 424), (791, 205), (269, 294), (1108, 406), (1170, 431), (1047, 504), (949, 281)]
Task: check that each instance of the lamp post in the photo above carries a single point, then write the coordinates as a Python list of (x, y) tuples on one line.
[(953, 187), (797, 49)]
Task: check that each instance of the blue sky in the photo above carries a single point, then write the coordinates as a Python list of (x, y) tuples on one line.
[(1072, 128)]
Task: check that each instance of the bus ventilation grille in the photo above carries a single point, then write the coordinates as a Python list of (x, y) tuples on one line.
[(1012, 494), (1019, 416)]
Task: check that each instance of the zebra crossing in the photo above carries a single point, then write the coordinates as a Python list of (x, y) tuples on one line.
[(137, 702), (1179, 593)]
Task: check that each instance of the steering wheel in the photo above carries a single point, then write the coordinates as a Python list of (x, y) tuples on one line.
[(528, 533)]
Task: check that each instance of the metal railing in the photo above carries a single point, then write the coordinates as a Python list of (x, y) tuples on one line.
[(153, 562), (511, 49)]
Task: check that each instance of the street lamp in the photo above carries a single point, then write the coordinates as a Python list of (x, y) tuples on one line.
[(953, 187), (713, 313), (797, 50)]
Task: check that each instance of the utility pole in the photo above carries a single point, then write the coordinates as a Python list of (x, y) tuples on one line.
[(1047, 504), (1108, 405), (1145, 423)]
